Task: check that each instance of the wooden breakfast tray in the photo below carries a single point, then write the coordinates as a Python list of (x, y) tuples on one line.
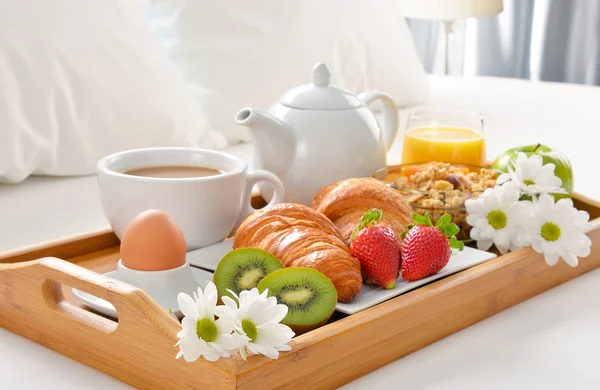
[(36, 303)]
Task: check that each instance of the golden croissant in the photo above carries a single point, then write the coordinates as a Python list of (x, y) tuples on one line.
[(302, 237), (344, 202)]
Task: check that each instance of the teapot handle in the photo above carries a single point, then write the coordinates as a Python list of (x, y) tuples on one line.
[(390, 114)]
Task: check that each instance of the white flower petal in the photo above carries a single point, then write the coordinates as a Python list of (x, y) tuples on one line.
[(189, 324), (536, 244), (484, 245), (473, 218), (483, 225), (269, 352), (237, 298), (224, 311), (210, 289), (225, 324), (475, 234), (240, 340), (502, 238), (548, 246), (271, 301), (191, 348), (546, 171), (534, 159), (243, 353), (273, 314), (545, 201), (502, 249), (503, 178), (551, 258), (256, 311), (187, 306), (580, 218), (263, 294), (520, 240), (217, 347), (209, 306), (488, 232), (230, 303), (273, 335), (257, 349), (252, 296), (209, 352), (212, 356), (573, 243), (474, 206), (199, 295), (585, 248), (272, 353), (570, 259), (210, 300), (200, 303)]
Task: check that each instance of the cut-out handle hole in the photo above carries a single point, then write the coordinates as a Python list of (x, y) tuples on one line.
[(54, 297)]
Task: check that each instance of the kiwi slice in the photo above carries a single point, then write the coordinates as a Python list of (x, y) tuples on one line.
[(309, 295), (242, 269)]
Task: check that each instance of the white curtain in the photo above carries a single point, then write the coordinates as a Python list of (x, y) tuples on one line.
[(549, 40)]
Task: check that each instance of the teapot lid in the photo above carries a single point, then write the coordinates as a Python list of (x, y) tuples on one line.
[(320, 95)]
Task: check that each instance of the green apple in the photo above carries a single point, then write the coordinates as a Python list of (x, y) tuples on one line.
[(563, 166)]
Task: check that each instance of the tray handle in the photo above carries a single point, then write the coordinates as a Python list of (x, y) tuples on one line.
[(132, 304)]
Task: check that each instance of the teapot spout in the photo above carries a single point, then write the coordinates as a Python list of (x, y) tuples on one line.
[(274, 140)]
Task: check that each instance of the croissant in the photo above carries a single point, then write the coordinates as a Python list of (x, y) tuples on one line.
[(344, 202), (302, 237)]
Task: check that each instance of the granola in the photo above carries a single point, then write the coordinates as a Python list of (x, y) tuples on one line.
[(437, 188)]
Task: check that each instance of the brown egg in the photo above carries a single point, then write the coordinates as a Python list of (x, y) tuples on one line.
[(153, 242)]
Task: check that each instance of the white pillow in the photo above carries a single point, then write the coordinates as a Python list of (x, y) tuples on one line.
[(80, 79), (248, 53)]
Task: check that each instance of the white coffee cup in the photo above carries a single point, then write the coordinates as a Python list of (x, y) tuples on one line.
[(206, 208)]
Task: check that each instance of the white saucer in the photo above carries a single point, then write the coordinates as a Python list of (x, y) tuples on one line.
[(370, 295), (104, 307)]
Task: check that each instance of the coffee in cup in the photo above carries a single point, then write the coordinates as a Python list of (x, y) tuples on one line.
[(173, 171)]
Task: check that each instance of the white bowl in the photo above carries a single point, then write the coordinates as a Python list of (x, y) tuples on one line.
[(162, 286)]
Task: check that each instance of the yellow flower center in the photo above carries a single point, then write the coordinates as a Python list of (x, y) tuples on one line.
[(206, 330), (250, 329), (528, 182), (497, 219), (550, 231)]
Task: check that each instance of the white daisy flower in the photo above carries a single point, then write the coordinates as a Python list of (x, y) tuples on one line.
[(532, 176), (495, 218), (258, 318), (558, 230), (202, 335)]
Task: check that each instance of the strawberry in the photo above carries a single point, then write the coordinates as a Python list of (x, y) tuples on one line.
[(425, 248), (376, 247)]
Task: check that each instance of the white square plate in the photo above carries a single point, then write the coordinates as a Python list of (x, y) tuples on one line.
[(208, 258)]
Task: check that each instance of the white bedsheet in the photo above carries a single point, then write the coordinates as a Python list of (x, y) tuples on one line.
[(549, 342)]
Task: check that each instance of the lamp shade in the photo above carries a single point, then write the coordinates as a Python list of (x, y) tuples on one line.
[(449, 9)]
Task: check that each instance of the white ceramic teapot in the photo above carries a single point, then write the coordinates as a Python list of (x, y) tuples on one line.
[(318, 134)]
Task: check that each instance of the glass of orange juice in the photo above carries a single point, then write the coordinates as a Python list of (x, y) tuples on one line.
[(445, 135)]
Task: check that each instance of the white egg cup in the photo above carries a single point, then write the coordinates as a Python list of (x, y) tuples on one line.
[(162, 286)]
